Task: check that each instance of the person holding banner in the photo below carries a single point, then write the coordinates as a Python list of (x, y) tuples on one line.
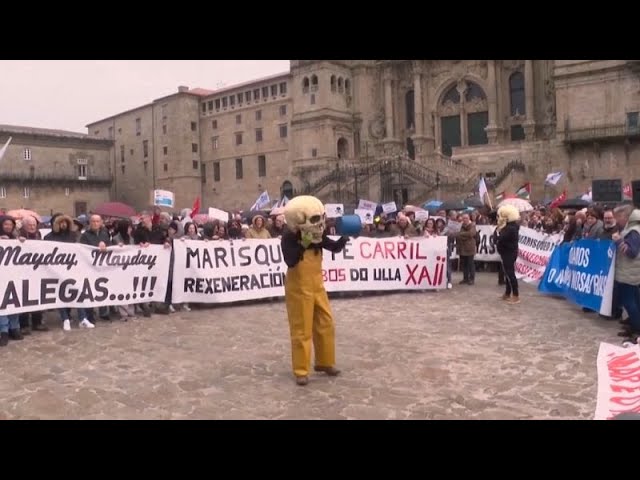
[(627, 276), (507, 246), (310, 317), (9, 324)]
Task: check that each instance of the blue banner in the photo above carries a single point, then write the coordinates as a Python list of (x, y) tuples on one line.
[(582, 272)]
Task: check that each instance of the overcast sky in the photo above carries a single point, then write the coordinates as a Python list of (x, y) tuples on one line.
[(68, 94)]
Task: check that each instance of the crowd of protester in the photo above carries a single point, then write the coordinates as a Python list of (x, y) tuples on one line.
[(621, 225)]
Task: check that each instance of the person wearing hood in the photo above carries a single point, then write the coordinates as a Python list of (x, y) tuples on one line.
[(9, 324), (627, 276), (257, 230), (593, 225), (507, 246)]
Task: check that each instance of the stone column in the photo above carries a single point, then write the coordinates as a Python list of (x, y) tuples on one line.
[(388, 105), (530, 125), (492, 100), (464, 140)]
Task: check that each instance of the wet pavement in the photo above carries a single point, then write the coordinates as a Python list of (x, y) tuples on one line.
[(456, 354)]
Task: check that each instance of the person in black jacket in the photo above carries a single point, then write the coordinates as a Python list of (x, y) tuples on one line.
[(508, 233)]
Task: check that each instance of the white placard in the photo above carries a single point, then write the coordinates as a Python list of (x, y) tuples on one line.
[(217, 214), (421, 215), (366, 216), (389, 207), (163, 198), (367, 205), (334, 210)]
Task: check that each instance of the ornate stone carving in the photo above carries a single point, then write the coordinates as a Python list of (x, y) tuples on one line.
[(377, 127), (477, 105), (448, 108), (483, 69), (512, 64)]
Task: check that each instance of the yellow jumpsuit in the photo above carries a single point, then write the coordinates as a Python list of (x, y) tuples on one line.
[(309, 314)]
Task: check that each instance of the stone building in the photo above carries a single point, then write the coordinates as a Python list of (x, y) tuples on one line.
[(384, 130), (52, 171)]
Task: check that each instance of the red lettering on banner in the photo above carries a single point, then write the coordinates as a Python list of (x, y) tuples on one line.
[(417, 276), (623, 389), (402, 246), (627, 401), (621, 361), (388, 250), (334, 275)]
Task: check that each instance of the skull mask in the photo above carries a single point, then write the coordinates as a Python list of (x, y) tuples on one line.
[(306, 214)]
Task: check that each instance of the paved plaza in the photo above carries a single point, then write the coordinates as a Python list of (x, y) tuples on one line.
[(457, 354)]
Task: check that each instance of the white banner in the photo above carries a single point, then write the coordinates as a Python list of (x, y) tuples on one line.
[(334, 210), (421, 216), (534, 251), (46, 275), (221, 272), (618, 381)]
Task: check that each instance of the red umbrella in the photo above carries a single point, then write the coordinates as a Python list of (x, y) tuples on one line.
[(115, 209)]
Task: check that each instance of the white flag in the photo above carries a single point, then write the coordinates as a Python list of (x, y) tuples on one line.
[(262, 201), (4, 149), (482, 190), (553, 178)]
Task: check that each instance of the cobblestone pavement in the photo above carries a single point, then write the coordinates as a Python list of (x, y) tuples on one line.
[(457, 354)]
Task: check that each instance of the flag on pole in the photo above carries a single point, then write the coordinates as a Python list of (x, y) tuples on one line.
[(484, 193), (195, 209), (553, 178), (524, 191), (281, 203), (3, 150), (627, 194), (261, 202), (558, 200), (587, 197)]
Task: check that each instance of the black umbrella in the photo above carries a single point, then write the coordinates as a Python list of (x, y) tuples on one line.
[(474, 202), (576, 203), (452, 205)]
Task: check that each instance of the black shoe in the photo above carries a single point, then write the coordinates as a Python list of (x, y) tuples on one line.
[(625, 321), (463, 282), (25, 330), (146, 313), (15, 334), (106, 318), (40, 328), (4, 339)]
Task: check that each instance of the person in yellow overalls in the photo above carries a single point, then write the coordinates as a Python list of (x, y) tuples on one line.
[(310, 318)]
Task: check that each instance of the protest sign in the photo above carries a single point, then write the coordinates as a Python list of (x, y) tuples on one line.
[(534, 251), (618, 381), (583, 272), (421, 216), (216, 214), (334, 210), (366, 216), (47, 275), (233, 271), (367, 205), (389, 207), (163, 198)]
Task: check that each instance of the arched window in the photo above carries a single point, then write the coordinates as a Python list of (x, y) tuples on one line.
[(343, 148), (411, 149), (305, 84), (409, 105), (466, 113), (314, 80), (286, 190), (333, 83), (347, 86), (340, 85), (516, 94)]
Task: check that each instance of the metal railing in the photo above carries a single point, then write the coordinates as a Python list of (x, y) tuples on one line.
[(601, 132)]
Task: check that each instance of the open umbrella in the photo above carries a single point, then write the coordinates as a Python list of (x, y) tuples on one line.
[(115, 209), (521, 204), (21, 213), (577, 203), (432, 204), (452, 205), (474, 202)]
